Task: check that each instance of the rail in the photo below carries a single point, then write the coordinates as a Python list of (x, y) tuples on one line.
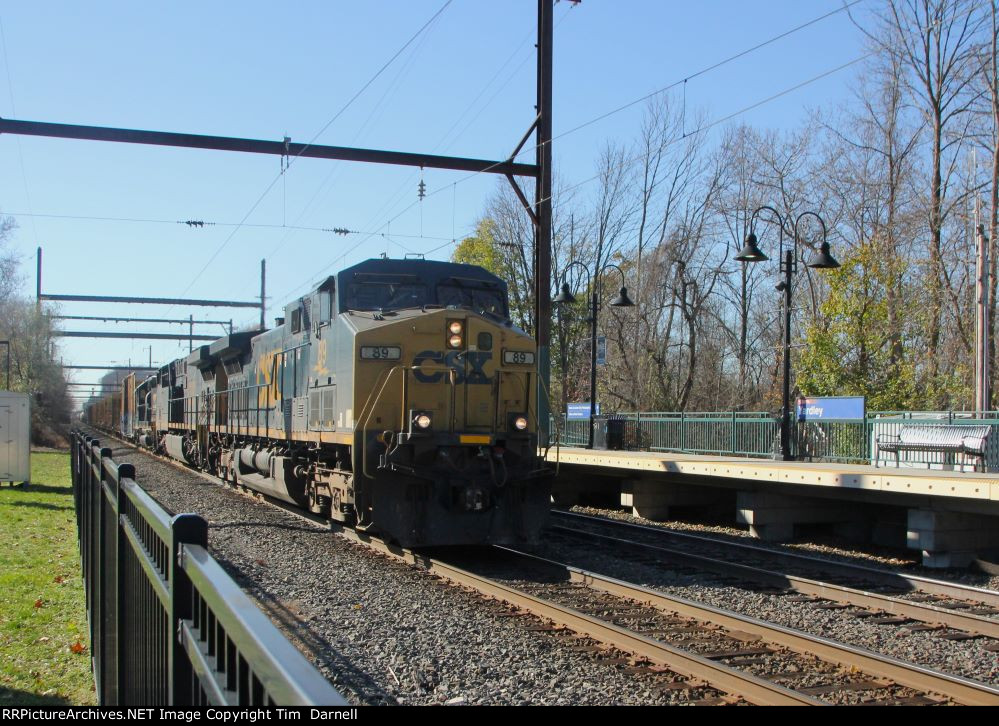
[(755, 434), (167, 625)]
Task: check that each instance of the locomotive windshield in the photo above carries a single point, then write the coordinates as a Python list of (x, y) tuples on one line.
[(380, 292), (386, 295), (456, 293)]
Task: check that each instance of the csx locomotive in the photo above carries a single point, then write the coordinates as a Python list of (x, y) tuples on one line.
[(396, 397)]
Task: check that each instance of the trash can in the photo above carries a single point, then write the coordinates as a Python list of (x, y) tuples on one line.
[(608, 433)]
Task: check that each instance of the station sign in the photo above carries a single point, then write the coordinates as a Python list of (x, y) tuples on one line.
[(579, 411), (832, 408)]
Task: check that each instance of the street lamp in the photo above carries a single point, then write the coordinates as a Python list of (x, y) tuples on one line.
[(621, 301), (822, 260)]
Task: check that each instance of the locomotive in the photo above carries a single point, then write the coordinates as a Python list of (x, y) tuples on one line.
[(396, 397)]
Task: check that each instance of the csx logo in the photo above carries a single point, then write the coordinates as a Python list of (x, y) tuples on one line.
[(467, 365)]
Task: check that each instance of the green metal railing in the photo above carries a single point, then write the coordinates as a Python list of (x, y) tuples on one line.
[(743, 433)]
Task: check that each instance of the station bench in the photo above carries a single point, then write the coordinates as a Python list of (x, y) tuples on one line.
[(967, 440)]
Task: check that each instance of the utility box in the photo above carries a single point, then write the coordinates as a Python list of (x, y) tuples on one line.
[(15, 437)]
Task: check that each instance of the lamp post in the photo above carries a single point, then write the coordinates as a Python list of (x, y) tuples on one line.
[(823, 260), (621, 301)]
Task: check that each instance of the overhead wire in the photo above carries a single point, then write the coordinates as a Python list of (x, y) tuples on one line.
[(714, 66), (311, 141), (342, 231), (335, 168), (407, 182)]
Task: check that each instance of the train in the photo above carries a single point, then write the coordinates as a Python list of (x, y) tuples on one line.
[(396, 397)]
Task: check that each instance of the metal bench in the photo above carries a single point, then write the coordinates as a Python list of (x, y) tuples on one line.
[(967, 440)]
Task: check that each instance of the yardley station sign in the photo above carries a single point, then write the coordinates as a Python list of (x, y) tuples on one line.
[(831, 408)]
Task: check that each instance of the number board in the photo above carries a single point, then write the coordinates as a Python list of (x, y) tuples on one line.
[(381, 352)]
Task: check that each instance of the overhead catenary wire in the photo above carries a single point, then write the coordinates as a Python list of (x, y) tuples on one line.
[(406, 184), (311, 141), (707, 69), (335, 168), (343, 231)]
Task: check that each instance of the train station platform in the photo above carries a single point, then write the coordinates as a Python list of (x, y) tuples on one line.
[(947, 515)]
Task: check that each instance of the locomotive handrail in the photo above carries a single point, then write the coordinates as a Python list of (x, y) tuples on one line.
[(368, 409)]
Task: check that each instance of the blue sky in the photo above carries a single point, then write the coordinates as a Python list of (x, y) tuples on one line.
[(465, 87)]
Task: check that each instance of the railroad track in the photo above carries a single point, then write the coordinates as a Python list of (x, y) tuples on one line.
[(950, 610), (741, 657), (709, 655)]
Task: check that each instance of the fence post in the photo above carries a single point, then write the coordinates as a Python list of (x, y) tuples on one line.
[(733, 432), (100, 614), (185, 529), (125, 471), (683, 432)]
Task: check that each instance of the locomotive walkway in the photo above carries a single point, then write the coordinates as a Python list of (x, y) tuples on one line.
[(949, 515)]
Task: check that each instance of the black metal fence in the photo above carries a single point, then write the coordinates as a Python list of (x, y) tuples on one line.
[(168, 626)]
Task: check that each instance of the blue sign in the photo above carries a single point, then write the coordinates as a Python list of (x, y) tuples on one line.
[(826, 408), (578, 411)]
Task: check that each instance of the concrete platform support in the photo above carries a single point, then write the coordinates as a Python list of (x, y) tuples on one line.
[(772, 517), (653, 498), (950, 539)]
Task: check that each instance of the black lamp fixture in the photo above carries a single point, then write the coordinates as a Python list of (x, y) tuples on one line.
[(751, 251), (821, 260), (565, 296), (621, 301)]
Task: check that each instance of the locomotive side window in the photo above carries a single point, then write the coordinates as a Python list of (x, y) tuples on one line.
[(326, 303), (296, 320)]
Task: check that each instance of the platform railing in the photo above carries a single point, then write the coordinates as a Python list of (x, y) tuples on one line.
[(168, 626), (757, 434)]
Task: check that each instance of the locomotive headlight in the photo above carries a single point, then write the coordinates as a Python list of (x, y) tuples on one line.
[(422, 421), (520, 423), (456, 334)]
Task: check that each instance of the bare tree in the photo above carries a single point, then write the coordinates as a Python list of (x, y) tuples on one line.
[(936, 41)]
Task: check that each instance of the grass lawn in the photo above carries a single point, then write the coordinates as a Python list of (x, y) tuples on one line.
[(44, 644)]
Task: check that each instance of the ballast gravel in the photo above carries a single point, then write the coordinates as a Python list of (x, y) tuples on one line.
[(381, 631), (966, 658), (868, 555)]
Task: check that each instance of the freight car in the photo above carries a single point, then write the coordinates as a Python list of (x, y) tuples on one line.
[(396, 397)]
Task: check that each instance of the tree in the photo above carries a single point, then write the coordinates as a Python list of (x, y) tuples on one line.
[(852, 354), (937, 41), (33, 368)]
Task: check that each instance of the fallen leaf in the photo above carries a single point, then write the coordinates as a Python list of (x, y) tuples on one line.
[(77, 647), (59, 579), (358, 606), (43, 639), (261, 563), (39, 603)]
